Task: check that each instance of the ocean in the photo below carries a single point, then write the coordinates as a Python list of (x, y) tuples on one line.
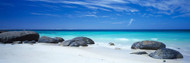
[(174, 39)]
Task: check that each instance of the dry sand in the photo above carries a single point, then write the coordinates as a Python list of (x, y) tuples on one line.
[(46, 53)]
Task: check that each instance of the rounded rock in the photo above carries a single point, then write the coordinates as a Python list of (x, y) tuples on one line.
[(150, 45), (166, 53)]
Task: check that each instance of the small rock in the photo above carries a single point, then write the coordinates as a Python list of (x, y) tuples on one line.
[(164, 60), (111, 44), (117, 48), (139, 53)]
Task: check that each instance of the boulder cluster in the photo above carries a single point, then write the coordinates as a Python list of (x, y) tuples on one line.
[(161, 51), (19, 37)]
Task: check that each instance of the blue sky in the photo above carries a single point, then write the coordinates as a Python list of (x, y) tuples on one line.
[(94, 14)]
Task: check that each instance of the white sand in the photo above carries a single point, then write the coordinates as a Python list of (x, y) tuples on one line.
[(44, 53)]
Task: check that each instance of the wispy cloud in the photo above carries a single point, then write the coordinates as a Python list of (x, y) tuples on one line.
[(90, 15), (131, 21), (97, 4), (166, 7), (44, 14)]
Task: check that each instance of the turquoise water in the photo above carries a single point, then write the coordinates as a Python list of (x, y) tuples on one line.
[(171, 38), (124, 39)]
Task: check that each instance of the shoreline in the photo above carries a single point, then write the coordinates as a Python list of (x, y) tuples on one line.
[(53, 53)]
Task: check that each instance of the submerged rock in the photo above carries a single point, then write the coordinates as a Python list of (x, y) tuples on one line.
[(150, 45), (139, 53), (111, 44), (166, 53), (78, 41), (9, 37)]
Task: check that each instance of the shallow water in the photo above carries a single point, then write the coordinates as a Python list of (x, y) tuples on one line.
[(124, 39)]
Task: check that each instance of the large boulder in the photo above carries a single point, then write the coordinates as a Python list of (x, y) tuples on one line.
[(45, 39), (78, 41), (85, 39), (150, 45), (166, 53), (59, 39), (9, 37)]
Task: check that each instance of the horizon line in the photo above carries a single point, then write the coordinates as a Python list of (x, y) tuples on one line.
[(88, 29)]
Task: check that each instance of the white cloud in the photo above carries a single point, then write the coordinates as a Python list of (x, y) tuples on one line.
[(167, 7), (131, 21), (105, 5), (91, 15)]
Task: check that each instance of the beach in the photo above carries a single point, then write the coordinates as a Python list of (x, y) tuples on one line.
[(53, 53), (99, 50)]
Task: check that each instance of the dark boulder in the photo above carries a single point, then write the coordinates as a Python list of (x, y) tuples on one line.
[(85, 39), (9, 37), (81, 41), (67, 42), (166, 53), (59, 39), (45, 39), (139, 53), (74, 44), (150, 45)]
